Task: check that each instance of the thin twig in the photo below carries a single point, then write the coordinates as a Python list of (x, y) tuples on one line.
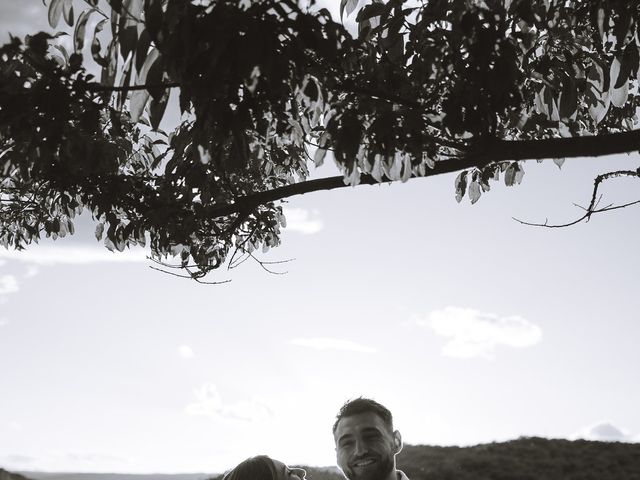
[(586, 216), (593, 204)]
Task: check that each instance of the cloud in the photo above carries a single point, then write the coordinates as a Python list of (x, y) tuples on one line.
[(4, 322), (15, 426), (603, 432), (71, 255), (185, 351), (32, 271), (302, 221), (209, 404), (18, 460), (91, 458), (323, 343), (8, 284), (471, 333)]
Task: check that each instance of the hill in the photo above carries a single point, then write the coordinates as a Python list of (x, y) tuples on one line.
[(522, 459), (114, 476), (4, 475)]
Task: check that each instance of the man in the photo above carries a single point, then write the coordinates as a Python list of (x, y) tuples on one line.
[(366, 443)]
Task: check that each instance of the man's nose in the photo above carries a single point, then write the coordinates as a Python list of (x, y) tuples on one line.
[(361, 448)]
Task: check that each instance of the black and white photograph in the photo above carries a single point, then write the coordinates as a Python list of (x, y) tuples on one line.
[(319, 240)]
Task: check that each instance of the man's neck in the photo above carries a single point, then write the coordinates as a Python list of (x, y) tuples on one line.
[(394, 474)]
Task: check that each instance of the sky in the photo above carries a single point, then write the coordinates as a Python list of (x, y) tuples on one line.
[(469, 326)]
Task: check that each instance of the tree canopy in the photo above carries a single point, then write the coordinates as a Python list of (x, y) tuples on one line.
[(267, 87)]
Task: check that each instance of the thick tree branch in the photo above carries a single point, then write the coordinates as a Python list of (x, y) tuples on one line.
[(490, 151)]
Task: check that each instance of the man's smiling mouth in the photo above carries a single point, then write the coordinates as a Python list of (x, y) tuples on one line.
[(364, 463)]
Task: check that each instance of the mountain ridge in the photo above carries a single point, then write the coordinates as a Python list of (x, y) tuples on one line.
[(527, 458)]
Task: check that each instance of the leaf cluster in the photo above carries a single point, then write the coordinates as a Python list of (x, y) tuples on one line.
[(267, 88)]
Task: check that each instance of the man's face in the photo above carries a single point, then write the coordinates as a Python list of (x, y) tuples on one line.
[(365, 447)]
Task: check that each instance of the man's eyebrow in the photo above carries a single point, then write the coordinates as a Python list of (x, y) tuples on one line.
[(346, 435)]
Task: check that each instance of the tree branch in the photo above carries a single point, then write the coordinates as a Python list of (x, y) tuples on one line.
[(595, 201), (489, 151), (96, 87)]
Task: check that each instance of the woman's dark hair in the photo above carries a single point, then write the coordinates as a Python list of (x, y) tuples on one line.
[(260, 467)]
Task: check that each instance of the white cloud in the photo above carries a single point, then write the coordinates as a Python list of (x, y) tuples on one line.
[(603, 432), (17, 462), (8, 284), (72, 255), (3, 322), (323, 343), (209, 403), (302, 221), (185, 351), (15, 426), (471, 333), (32, 271)]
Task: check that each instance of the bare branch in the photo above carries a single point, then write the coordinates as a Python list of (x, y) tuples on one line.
[(592, 208)]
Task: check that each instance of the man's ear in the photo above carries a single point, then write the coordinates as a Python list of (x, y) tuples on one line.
[(397, 441)]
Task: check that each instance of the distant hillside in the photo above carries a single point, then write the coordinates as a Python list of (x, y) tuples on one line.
[(522, 459), (4, 475), (115, 476)]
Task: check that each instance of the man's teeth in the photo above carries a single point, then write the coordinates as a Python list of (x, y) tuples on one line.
[(364, 463)]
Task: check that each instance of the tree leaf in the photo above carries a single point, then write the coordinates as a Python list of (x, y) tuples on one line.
[(620, 95), (116, 5), (461, 185), (142, 48), (153, 16), (629, 64), (474, 192), (155, 77), (559, 162), (67, 11), (157, 108), (95, 45), (318, 157), (80, 30), (614, 73), (55, 12), (137, 103), (128, 37), (568, 97), (99, 230), (152, 57), (348, 6), (510, 174), (109, 70), (125, 81)]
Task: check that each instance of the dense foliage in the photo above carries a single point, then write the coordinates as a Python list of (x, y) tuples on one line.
[(266, 88)]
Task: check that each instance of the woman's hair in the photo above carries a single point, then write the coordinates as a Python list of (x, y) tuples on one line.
[(254, 468)]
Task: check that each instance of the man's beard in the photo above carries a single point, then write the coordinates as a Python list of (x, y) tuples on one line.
[(379, 471)]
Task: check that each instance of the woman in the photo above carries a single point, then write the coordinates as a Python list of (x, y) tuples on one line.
[(264, 468)]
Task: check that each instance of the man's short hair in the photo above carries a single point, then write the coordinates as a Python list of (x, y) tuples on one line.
[(364, 405)]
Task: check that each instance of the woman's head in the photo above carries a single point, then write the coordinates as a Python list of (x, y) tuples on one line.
[(264, 468)]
